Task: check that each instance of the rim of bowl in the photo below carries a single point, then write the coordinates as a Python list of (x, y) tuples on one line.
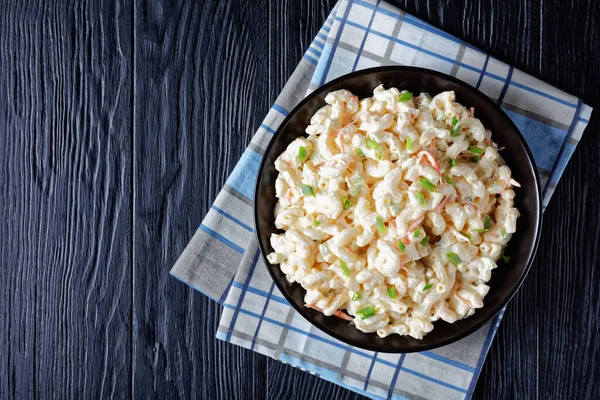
[(302, 310)]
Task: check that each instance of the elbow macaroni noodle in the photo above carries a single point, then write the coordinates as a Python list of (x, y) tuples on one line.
[(395, 209)]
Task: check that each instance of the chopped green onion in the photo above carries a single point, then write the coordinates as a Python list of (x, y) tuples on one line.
[(465, 235), (380, 226), (486, 223), (455, 127), (450, 180), (401, 246), (427, 184), (355, 296), (476, 150), (479, 230), (408, 143), (316, 223), (302, 154), (469, 199), (421, 198), (359, 152), (453, 258), (347, 203), (344, 268), (503, 232), (392, 292), (505, 259), (367, 312), (405, 97), (416, 233), (475, 158), (375, 146), (425, 241), (428, 286), (452, 162), (307, 190)]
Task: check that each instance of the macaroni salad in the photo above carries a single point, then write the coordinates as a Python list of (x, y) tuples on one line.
[(395, 209)]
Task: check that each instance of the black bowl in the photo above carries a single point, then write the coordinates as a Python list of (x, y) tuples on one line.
[(521, 249)]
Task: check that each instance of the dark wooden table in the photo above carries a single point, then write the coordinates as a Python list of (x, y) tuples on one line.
[(120, 122)]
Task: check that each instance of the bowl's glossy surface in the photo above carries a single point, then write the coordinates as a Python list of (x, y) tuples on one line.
[(505, 279)]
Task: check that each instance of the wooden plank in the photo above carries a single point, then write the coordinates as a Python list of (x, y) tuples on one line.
[(569, 302), (543, 338), (200, 93), (205, 76), (65, 199), (293, 25), (570, 37)]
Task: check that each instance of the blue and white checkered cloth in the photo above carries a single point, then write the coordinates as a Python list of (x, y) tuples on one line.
[(222, 260)]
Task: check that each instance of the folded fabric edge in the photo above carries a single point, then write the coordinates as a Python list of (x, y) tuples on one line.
[(173, 274), (293, 92), (576, 131), (221, 264)]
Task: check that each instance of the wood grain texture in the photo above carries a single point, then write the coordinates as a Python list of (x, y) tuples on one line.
[(65, 209), (121, 121), (200, 91)]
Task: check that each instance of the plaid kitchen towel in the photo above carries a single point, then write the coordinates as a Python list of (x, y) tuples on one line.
[(223, 262)]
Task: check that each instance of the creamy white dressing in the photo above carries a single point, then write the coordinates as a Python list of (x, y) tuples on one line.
[(412, 207)]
